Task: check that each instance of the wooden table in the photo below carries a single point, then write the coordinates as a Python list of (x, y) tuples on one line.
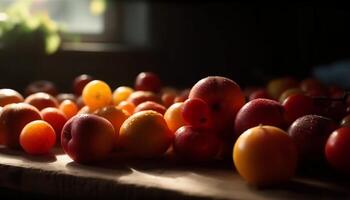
[(59, 176)]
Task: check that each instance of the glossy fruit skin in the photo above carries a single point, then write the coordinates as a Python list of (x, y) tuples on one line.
[(173, 116), (337, 149), (115, 116), (296, 106), (41, 100), (12, 120), (97, 94), (41, 86), (145, 134), (310, 134), (224, 98), (37, 137), (127, 107), (80, 82), (289, 92), (196, 144), (88, 138), (148, 81), (196, 113), (138, 97), (121, 94), (259, 111), (265, 155), (69, 108), (150, 105), (8, 96), (56, 119)]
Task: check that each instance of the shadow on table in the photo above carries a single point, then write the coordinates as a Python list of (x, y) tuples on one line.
[(46, 158)]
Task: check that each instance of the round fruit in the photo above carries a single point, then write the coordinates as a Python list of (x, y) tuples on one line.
[(259, 111), (196, 144), (173, 116), (297, 105), (196, 113), (127, 107), (277, 86), (80, 82), (150, 105), (114, 115), (69, 108), (12, 120), (121, 94), (265, 155), (41, 86), (88, 138), (148, 81), (97, 94), (145, 134), (8, 96), (37, 137), (55, 118), (41, 100), (338, 148), (224, 98), (310, 134)]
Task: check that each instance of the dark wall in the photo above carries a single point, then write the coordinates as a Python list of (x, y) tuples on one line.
[(250, 43)]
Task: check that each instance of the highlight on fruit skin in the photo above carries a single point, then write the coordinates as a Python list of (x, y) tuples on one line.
[(265, 155)]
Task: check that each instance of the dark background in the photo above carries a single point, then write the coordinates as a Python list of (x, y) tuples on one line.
[(248, 42)]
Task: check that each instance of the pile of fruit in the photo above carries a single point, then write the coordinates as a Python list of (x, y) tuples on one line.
[(268, 132)]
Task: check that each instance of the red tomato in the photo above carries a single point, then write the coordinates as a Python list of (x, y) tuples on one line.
[(338, 148)]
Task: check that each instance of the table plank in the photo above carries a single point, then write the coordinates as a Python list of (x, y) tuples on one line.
[(58, 175)]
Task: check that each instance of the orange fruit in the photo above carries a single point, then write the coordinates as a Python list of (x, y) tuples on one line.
[(121, 94), (69, 108), (145, 134), (265, 155), (37, 137), (97, 94), (8, 96), (173, 116), (127, 107), (114, 115)]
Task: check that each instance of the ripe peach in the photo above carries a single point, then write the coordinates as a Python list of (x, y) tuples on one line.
[(183, 96), (173, 116), (196, 144), (150, 105), (41, 86), (55, 118), (12, 120), (168, 99), (41, 100), (138, 97), (148, 81), (8, 96), (277, 86), (310, 134), (259, 111), (224, 98), (88, 138)]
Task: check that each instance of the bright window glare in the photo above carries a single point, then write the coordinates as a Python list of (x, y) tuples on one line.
[(75, 16)]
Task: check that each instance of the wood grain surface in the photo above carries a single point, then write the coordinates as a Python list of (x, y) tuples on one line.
[(56, 174)]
